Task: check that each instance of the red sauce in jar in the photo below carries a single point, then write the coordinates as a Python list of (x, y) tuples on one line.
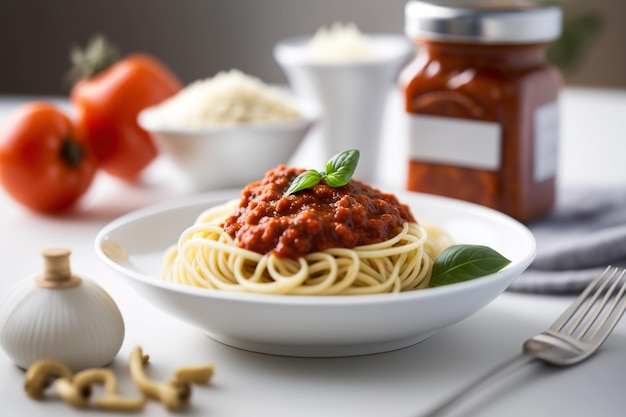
[(312, 220), (483, 105)]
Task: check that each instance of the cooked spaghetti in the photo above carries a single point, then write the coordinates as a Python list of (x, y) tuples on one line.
[(347, 240)]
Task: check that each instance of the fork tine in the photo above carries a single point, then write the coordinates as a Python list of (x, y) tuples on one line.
[(602, 319), (568, 314), (613, 314), (608, 294)]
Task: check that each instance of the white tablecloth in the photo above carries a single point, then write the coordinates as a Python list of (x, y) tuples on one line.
[(399, 383)]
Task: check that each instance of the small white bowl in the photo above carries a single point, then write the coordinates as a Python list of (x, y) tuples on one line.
[(210, 158), (321, 326), (351, 95)]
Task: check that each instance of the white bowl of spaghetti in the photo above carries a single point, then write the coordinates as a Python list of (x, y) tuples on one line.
[(266, 316)]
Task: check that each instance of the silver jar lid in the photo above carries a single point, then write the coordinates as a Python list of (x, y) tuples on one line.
[(483, 21)]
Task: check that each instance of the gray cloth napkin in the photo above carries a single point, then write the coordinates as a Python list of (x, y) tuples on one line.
[(575, 242)]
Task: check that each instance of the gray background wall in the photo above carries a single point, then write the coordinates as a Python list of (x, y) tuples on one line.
[(197, 38)]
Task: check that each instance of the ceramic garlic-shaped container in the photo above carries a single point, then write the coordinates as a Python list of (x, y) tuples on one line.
[(61, 316)]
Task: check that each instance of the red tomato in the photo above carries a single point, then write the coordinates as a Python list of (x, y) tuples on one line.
[(108, 105), (42, 164)]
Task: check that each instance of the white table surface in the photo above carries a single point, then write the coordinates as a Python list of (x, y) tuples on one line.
[(400, 383)]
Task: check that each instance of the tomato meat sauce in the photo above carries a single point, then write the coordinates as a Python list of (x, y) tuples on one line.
[(312, 220)]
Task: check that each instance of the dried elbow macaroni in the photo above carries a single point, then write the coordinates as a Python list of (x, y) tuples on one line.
[(76, 388)]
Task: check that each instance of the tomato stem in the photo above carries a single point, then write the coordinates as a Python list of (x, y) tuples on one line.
[(98, 55), (72, 153)]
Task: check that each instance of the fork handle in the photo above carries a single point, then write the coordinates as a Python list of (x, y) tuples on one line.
[(497, 373)]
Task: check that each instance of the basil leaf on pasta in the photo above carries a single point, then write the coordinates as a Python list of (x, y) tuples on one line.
[(460, 263), (305, 180), (337, 179), (341, 167), (339, 171)]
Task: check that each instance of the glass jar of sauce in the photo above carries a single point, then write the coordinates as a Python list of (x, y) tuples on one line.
[(482, 103)]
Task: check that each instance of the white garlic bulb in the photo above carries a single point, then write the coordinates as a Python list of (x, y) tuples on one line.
[(60, 316)]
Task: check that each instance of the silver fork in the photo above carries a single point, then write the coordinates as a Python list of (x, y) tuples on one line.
[(572, 338)]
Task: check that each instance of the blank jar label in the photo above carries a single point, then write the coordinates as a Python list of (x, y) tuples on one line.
[(457, 142), (546, 130)]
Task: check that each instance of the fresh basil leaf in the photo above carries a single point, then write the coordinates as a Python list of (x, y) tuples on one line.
[(339, 171), (460, 263), (303, 181), (343, 164), (337, 178)]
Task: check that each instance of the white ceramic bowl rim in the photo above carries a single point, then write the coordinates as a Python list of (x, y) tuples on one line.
[(148, 119)]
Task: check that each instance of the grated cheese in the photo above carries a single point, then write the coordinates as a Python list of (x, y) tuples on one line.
[(228, 98), (339, 43)]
